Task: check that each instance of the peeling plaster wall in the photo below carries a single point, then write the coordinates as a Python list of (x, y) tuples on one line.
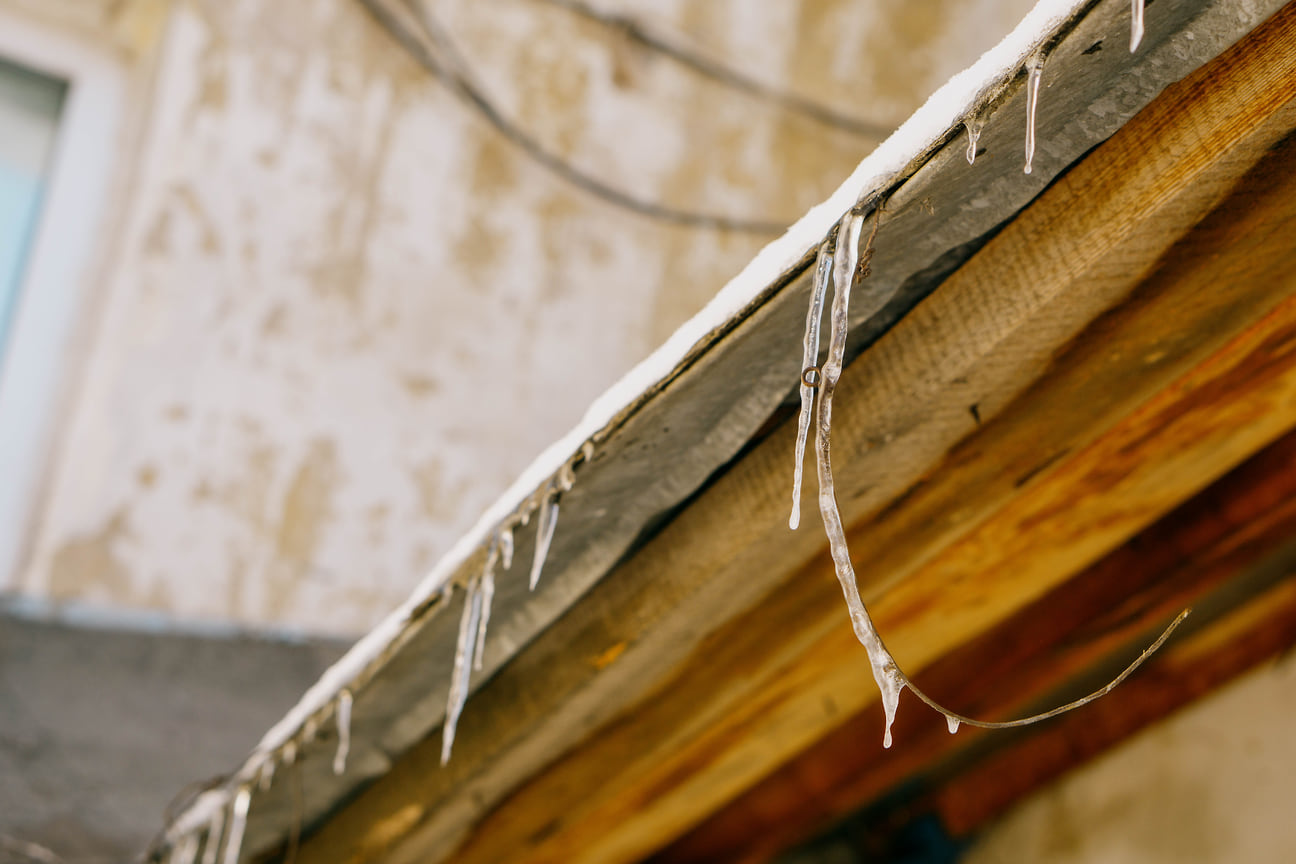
[(130, 28), (341, 313)]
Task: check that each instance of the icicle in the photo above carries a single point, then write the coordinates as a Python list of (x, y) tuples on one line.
[(1136, 25), (462, 667), (974, 125), (544, 534), (267, 774), (506, 547), (548, 520), (344, 732), (238, 824), (290, 753), (185, 850), (1034, 71), (566, 477), (211, 846), (809, 357), (487, 591), (310, 729), (885, 672), (974, 135), (847, 266)]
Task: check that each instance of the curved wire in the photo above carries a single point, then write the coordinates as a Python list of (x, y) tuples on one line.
[(460, 82), (1061, 709), (635, 30)]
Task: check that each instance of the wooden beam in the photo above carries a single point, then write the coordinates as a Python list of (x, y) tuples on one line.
[(1229, 544), (708, 688)]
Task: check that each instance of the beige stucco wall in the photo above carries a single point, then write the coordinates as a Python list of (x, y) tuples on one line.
[(1213, 784), (337, 314)]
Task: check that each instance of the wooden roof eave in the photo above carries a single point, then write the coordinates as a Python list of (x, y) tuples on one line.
[(624, 602)]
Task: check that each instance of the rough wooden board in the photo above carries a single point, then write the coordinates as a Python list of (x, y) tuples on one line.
[(1232, 542), (514, 730)]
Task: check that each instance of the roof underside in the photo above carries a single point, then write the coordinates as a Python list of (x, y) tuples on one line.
[(686, 664)]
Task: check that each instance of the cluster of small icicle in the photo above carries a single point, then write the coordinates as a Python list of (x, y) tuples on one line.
[(220, 839), (841, 261), (481, 589), (1034, 73)]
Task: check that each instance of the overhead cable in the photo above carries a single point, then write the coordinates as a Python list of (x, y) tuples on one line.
[(639, 33), (418, 32)]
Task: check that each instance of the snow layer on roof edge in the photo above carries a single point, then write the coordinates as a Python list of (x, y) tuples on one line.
[(943, 111)]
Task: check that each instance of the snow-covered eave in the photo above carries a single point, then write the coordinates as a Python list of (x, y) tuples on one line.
[(937, 120), (774, 268)]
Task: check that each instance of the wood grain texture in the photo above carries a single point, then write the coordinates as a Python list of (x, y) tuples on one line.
[(730, 650)]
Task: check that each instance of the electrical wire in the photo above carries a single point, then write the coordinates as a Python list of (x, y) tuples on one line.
[(637, 32), (454, 72)]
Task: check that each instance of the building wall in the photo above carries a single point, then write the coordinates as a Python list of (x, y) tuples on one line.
[(100, 730), (1213, 784), (337, 314)]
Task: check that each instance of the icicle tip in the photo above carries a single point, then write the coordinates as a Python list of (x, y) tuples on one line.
[(1136, 24)]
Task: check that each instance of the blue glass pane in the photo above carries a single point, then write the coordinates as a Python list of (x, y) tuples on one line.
[(19, 197), (30, 104)]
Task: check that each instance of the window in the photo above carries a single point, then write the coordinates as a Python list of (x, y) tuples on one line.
[(61, 100), (30, 104)]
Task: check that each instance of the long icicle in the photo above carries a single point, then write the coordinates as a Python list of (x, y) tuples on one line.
[(487, 591), (890, 678), (462, 668), (185, 851), (238, 824), (344, 732), (809, 356), (885, 671), (544, 533), (1034, 72), (215, 830), (1136, 24)]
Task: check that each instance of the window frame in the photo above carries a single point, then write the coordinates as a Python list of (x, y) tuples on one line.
[(68, 241)]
